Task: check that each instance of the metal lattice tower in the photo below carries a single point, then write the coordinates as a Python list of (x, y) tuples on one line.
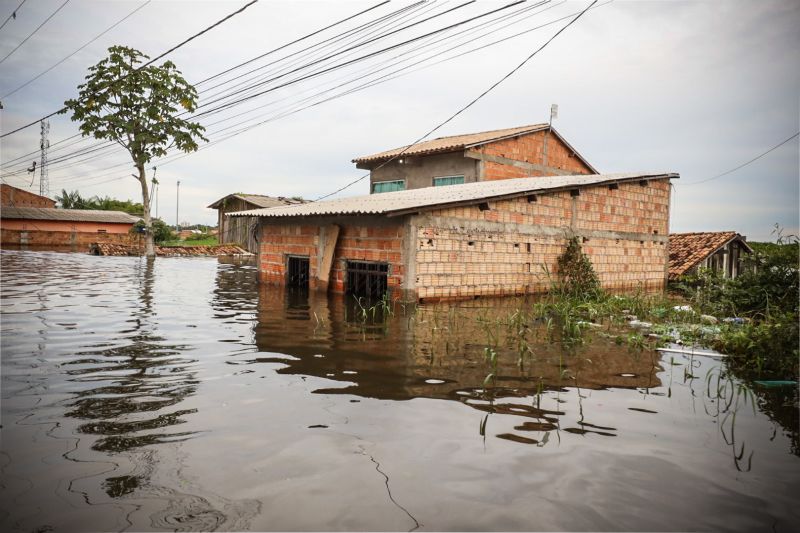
[(44, 144)]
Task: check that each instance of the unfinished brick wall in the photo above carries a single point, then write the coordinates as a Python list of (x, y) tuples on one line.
[(15, 197), (78, 239), (512, 247), (365, 243), (378, 242), (530, 149)]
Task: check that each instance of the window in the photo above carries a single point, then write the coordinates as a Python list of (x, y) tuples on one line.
[(388, 186), (297, 275), (448, 180), (102, 231), (367, 279)]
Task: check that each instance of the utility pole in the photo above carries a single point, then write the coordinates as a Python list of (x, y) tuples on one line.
[(177, 206), (44, 144), (553, 114)]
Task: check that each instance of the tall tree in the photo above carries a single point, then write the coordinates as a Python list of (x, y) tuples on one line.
[(137, 105)]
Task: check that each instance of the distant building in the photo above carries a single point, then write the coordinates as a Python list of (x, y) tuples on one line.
[(240, 230), (16, 197), (721, 251), (47, 226), (521, 152), (495, 238)]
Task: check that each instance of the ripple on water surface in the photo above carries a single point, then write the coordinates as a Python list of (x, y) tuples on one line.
[(181, 395)]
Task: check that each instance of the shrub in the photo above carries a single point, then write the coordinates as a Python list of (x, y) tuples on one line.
[(576, 276)]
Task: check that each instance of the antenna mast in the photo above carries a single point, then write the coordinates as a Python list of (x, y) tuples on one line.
[(44, 144)]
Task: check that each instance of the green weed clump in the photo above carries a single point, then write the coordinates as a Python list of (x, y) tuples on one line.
[(576, 276)]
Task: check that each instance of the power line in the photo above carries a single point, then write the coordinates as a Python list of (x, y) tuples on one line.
[(470, 104), (744, 164), (316, 32), (117, 23), (34, 31), (12, 15), (196, 35), (291, 111), (305, 66)]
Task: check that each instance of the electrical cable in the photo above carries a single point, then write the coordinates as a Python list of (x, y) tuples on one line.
[(12, 15), (251, 126), (34, 31), (117, 23), (196, 35), (756, 158), (469, 104)]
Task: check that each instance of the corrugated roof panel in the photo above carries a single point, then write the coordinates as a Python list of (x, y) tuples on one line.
[(433, 197), (68, 215), (260, 200)]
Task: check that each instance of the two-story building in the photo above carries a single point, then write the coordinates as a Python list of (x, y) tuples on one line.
[(521, 152)]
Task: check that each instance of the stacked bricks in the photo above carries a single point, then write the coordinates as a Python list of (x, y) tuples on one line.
[(280, 241), (530, 148), (382, 244), (622, 231), (15, 197), (81, 239), (379, 242)]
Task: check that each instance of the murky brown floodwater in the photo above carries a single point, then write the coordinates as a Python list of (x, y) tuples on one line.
[(181, 396)]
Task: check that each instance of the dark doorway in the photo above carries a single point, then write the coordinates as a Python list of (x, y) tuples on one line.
[(367, 279), (298, 272)]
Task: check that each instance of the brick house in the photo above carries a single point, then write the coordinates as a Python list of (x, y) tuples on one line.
[(473, 239), (47, 226), (521, 152), (239, 230), (16, 197), (720, 250)]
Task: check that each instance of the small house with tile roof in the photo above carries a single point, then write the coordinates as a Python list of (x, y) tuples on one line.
[(721, 251), (520, 152), (499, 237), (240, 230)]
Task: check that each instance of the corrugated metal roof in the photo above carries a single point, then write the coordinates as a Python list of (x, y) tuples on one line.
[(260, 200), (435, 197), (453, 142), (686, 250), (70, 215)]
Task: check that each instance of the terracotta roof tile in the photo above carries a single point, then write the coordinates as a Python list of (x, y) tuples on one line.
[(686, 250), (452, 143)]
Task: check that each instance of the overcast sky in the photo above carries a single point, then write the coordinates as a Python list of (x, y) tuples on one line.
[(691, 87)]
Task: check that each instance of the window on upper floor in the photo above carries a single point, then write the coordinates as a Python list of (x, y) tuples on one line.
[(448, 180), (388, 186)]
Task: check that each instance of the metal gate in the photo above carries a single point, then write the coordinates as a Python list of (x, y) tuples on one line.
[(367, 279), (297, 272)]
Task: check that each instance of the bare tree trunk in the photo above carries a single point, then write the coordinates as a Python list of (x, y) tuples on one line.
[(149, 248)]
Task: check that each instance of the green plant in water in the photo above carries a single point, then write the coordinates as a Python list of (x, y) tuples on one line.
[(576, 276)]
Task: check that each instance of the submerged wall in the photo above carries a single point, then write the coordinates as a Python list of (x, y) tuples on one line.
[(512, 247), (370, 239)]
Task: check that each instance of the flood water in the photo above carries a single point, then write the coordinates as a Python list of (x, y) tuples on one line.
[(182, 396)]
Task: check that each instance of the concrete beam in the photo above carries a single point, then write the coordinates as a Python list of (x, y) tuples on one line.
[(531, 230), (515, 163)]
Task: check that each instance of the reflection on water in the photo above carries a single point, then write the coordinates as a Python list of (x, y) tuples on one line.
[(180, 395)]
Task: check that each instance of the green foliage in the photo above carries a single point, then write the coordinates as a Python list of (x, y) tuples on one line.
[(162, 233), (137, 105), (73, 200), (200, 237), (767, 293), (576, 275)]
